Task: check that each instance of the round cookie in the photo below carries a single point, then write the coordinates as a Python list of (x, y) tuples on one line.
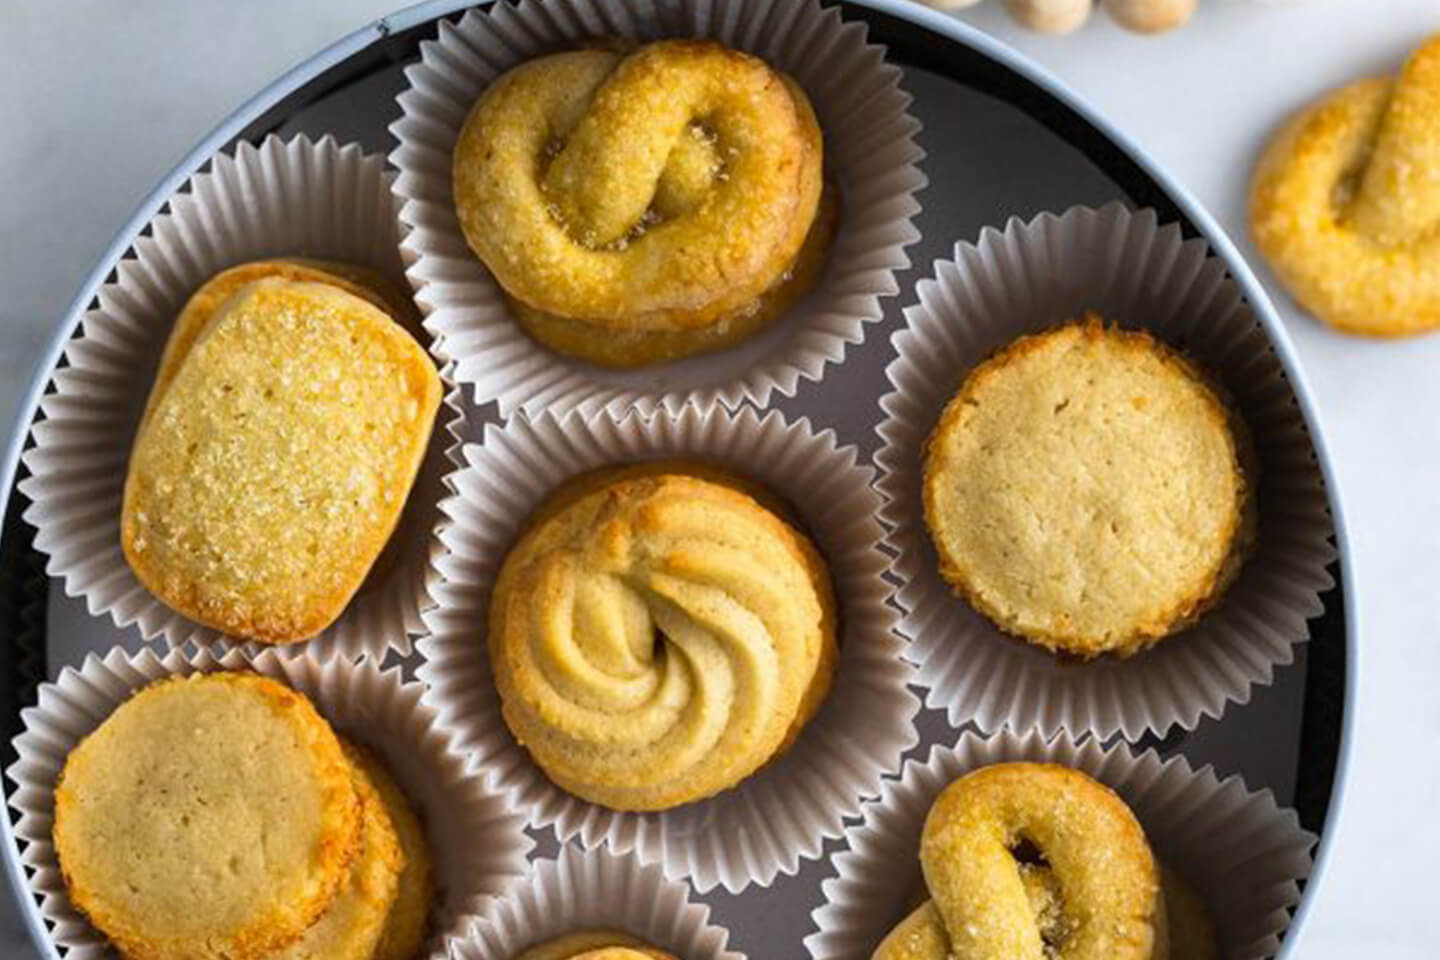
[(1087, 490), (631, 571), (410, 914), (210, 817), (352, 926)]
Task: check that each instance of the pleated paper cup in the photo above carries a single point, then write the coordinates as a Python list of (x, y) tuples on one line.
[(871, 152), (283, 198), (1139, 274), (1245, 855), (477, 840), (594, 890), (782, 813)]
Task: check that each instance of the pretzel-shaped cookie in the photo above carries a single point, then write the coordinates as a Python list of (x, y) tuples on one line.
[(661, 192), (1345, 203), (1099, 898), (657, 637)]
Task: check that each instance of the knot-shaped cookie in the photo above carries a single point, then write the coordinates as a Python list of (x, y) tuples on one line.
[(1096, 895), (636, 207), (1346, 203), (657, 637)]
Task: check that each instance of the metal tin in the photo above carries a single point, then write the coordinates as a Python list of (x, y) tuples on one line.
[(918, 38)]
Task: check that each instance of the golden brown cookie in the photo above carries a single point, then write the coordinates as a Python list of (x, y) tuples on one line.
[(1089, 491), (1345, 203), (1185, 922), (210, 817), (639, 206), (409, 916), (1097, 897), (351, 927), (633, 348), (212, 295), (658, 634), (276, 455)]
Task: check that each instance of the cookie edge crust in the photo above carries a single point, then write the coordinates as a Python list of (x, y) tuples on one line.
[(269, 931)]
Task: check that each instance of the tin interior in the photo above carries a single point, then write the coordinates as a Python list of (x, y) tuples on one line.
[(999, 144)]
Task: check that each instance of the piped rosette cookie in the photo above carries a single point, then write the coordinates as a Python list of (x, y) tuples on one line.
[(670, 635), (658, 634)]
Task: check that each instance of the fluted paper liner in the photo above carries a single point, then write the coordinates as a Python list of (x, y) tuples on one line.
[(1242, 853), (284, 198), (870, 150), (594, 890), (477, 840), (782, 813), (1136, 273)]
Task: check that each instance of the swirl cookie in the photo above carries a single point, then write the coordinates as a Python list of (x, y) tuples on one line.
[(594, 945), (1345, 203), (637, 207), (659, 633), (1087, 490), (1094, 894), (210, 817), (286, 425)]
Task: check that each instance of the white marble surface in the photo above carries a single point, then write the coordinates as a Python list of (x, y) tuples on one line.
[(99, 99)]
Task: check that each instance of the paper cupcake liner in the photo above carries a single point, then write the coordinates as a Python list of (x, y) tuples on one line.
[(1245, 855), (477, 840), (1132, 271), (595, 890), (283, 198), (782, 813), (870, 149)]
